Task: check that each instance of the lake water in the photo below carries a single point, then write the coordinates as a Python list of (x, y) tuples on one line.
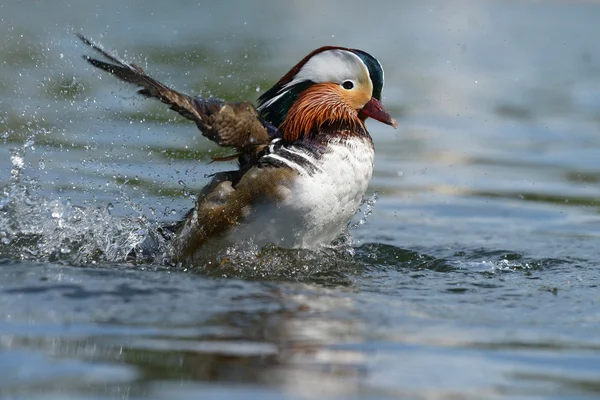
[(473, 266)]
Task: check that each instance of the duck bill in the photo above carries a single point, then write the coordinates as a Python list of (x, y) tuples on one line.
[(375, 110)]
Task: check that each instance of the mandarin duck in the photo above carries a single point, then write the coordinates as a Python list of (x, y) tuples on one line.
[(305, 157)]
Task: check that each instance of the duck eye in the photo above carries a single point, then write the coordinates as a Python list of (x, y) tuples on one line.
[(348, 85)]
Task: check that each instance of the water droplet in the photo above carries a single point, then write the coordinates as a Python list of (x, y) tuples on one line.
[(17, 161)]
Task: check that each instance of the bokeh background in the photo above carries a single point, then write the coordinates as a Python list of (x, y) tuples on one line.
[(472, 272)]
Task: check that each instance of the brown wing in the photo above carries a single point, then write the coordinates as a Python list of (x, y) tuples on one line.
[(231, 124), (228, 124), (222, 205)]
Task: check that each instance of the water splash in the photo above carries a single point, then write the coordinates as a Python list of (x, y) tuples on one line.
[(48, 229), (345, 242), (366, 209), (327, 266), (40, 229)]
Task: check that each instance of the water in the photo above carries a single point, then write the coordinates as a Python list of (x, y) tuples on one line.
[(472, 268)]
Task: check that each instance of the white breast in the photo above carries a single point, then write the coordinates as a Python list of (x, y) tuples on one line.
[(319, 206)]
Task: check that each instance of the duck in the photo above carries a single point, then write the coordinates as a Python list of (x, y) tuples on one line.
[(304, 154)]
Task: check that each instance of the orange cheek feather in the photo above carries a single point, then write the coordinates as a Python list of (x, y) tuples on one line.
[(321, 103)]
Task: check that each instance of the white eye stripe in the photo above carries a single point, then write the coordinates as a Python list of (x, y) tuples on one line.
[(334, 66)]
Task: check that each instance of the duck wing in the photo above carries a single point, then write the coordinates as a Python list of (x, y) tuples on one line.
[(236, 125), (229, 199)]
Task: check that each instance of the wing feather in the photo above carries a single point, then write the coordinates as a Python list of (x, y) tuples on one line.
[(228, 124), (222, 205)]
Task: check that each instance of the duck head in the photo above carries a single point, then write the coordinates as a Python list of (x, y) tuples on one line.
[(332, 87)]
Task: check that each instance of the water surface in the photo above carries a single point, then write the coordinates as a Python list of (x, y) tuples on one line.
[(472, 269)]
